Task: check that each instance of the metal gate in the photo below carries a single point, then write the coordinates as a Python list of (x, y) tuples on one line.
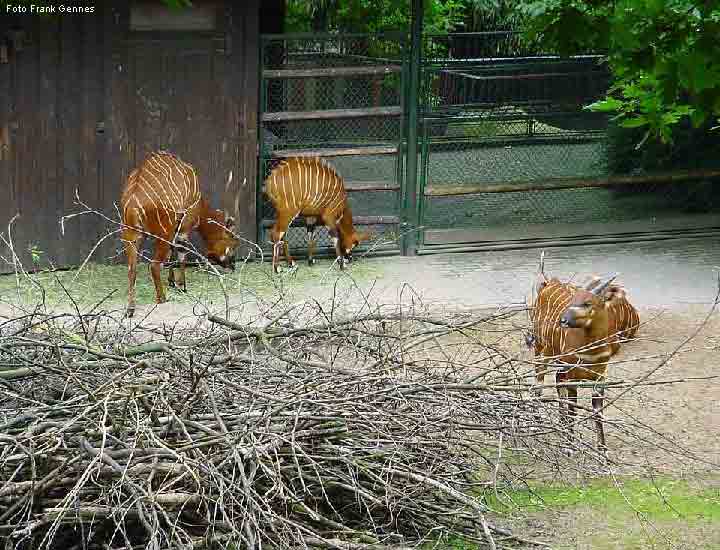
[(340, 98), (508, 156)]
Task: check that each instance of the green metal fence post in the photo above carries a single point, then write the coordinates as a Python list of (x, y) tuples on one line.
[(409, 247)]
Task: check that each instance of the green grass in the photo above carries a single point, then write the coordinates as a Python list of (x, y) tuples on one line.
[(630, 515), (97, 282), (662, 500)]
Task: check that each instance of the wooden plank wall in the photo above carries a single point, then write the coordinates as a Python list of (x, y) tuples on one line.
[(244, 76), (69, 121), (52, 102)]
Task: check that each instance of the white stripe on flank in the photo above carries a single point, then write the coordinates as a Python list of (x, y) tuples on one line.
[(292, 186), (325, 188), (172, 188), (155, 206), (303, 186), (272, 186), (317, 176), (196, 189), (177, 200), (146, 185), (162, 183), (321, 186), (140, 207), (283, 185), (186, 181)]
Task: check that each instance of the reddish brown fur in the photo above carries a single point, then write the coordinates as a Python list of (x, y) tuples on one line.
[(162, 199), (596, 326), (311, 188)]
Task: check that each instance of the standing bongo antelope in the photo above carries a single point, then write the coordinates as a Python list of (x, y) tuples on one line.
[(162, 198), (310, 187), (578, 329)]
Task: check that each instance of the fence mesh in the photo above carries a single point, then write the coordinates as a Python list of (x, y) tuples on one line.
[(499, 111), (321, 94), (565, 212), (494, 110)]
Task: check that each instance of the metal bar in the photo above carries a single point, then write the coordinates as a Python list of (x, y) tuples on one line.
[(337, 152), (425, 170), (463, 189), (354, 187), (331, 71), (547, 232), (328, 252), (357, 220), (319, 37), (387, 60), (610, 239), (438, 62), (328, 114), (410, 214), (471, 34), (516, 76)]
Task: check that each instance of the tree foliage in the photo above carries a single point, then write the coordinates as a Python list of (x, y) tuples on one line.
[(371, 16), (664, 55)]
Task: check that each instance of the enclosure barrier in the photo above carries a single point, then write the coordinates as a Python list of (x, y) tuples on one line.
[(340, 98), (508, 155)]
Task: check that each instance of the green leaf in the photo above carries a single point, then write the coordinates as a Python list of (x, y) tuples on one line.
[(635, 122), (607, 105)]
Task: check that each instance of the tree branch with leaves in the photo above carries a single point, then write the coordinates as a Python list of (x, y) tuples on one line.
[(664, 55)]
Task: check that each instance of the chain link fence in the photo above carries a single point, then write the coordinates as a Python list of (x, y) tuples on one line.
[(340, 98), (501, 123), (500, 119)]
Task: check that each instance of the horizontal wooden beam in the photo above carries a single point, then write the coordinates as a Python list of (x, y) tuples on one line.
[(357, 220), (355, 187), (584, 241), (328, 114), (558, 230), (337, 152), (533, 76), (452, 190), (332, 71)]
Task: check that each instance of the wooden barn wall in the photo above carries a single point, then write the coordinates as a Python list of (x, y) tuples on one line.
[(86, 98), (50, 102)]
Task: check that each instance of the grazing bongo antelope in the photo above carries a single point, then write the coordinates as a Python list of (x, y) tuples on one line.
[(162, 198), (578, 329), (310, 187)]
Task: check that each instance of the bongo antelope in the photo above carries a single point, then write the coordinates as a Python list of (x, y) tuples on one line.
[(311, 188), (577, 330), (162, 198)]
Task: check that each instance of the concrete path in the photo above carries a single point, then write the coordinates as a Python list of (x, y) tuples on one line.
[(670, 274)]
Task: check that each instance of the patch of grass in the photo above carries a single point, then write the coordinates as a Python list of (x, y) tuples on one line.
[(663, 499), (454, 543), (97, 281), (632, 514)]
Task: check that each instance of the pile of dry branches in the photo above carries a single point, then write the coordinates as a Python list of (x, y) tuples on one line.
[(373, 430)]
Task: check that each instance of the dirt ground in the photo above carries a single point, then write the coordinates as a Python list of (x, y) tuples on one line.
[(682, 418), (677, 419)]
